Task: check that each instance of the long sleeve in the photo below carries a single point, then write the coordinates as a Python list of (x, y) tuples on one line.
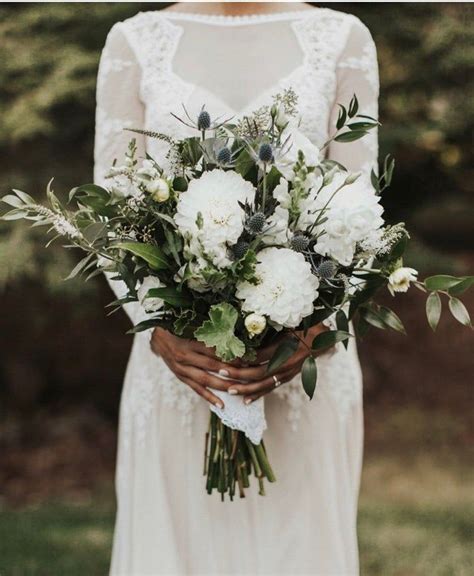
[(357, 73), (118, 106)]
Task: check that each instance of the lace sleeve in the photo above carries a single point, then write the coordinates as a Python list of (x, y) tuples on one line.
[(357, 73), (118, 106)]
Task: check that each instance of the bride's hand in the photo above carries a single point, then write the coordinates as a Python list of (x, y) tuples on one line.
[(260, 382), (189, 361)]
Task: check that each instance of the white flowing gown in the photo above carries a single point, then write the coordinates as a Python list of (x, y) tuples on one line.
[(166, 523)]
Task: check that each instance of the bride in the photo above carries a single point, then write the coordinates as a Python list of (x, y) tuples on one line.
[(233, 57)]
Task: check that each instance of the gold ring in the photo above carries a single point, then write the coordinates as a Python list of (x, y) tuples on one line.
[(277, 382)]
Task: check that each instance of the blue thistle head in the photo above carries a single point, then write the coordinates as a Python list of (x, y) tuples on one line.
[(299, 243), (326, 269), (256, 222), (224, 155), (204, 120), (240, 249), (265, 152)]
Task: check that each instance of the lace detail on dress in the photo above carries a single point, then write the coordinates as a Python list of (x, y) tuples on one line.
[(322, 39), (366, 63)]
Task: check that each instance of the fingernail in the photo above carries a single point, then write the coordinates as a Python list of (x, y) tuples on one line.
[(248, 401), (232, 391), (220, 405), (223, 372)]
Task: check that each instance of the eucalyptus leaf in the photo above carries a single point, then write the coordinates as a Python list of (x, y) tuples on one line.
[(441, 282), (391, 319), (282, 354), (459, 311), (153, 255), (329, 338), (171, 296), (433, 310), (309, 376), (465, 283)]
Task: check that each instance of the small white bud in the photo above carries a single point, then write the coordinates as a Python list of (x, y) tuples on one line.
[(159, 190), (399, 280), (255, 324)]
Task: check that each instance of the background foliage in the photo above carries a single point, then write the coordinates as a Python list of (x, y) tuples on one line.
[(62, 360)]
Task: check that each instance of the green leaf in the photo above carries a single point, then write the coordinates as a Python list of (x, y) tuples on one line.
[(153, 255), (342, 323), (309, 376), (391, 319), (465, 284), (13, 200), (94, 231), (79, 267), (350, 136), (218, 332), (433, 309), (374, 180), (171, 296), (441, 282), (353, 106), (362, 125), (27, 199), (459, 311), (282, 354), (329, 338), (372, 318), (15, 214), (91, 190), (145, 325), (341, 119)]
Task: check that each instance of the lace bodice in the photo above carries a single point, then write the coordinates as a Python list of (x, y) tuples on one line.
[(156, 61)]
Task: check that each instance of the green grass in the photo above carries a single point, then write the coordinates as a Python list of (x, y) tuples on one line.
[(416, 519)]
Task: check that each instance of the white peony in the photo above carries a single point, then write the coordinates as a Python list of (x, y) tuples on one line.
[(150, 304), (159, 189), (399, 280), (296, 141), (216, 196), (353, 214), (286, 287)]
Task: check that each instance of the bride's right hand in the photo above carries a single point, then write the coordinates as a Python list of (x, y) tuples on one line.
[(190, 361)]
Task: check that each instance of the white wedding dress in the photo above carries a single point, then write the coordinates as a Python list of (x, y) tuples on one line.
[(166, 523)]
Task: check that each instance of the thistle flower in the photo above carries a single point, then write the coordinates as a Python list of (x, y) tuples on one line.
[(204, 120), (265, 153), (299, 242), (256, 222), (224, 155), (240, 249), (326, 269)]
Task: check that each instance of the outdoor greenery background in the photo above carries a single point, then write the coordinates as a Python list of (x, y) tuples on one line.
[(61, 359)]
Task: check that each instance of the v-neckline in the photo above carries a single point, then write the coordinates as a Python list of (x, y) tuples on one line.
[(255, 102)]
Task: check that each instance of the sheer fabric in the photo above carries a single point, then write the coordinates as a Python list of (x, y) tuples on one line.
[(166, 524)]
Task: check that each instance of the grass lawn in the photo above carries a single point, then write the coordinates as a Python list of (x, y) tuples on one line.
[(415, 519)]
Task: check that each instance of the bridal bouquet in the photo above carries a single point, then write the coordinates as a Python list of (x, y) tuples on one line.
[(246, 237)]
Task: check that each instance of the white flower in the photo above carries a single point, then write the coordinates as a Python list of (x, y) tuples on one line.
[(255, 324), (122, 187), (150, 304), (296, 141), (353, 214), (276, 231), (147, 170), (399, 280), (286, 288), (159, 189), (281, 118), (216, 196)]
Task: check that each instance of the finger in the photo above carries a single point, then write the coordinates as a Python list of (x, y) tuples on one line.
[(204, 350), (249, 389), (203, 392), (208, 380), (253, 397)]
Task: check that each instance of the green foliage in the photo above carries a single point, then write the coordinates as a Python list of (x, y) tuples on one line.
[(218, 332)]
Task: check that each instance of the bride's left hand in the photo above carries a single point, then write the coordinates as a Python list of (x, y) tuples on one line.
[(265, 383)]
